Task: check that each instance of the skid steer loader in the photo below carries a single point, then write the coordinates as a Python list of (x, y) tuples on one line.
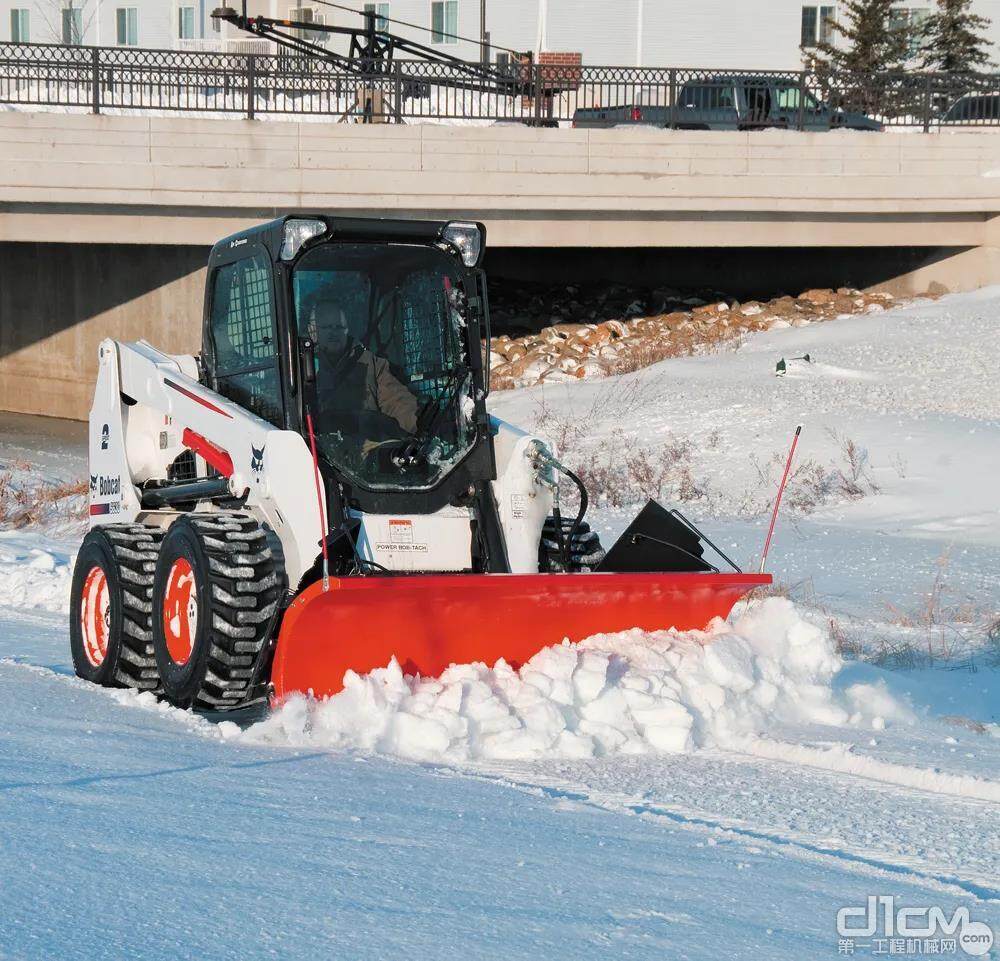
[(323, 489)]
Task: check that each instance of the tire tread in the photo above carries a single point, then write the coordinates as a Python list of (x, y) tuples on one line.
[(135, 548), (246, 583)]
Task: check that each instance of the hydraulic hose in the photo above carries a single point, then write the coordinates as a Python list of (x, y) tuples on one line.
[(584, 503), (545, 457)]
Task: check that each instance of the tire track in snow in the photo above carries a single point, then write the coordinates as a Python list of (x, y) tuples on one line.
[(879, 865), (776, 751), (123, 696), (870, 769), (777, 841)]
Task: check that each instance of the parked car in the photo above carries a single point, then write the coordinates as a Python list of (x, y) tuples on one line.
[(732, 102), (974, 108)]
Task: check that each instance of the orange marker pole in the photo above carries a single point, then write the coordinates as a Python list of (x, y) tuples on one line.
[(777, 500)]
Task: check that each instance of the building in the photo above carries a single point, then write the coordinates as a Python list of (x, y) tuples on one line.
[(768, 34), (156, 24)]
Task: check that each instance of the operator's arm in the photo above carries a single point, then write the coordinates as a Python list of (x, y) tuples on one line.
[(393, 397)]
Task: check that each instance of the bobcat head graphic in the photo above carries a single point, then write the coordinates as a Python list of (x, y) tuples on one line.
[(93, 483), (256, 459)]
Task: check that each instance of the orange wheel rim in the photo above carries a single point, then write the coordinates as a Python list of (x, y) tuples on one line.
[(95, 615), (180, 611)]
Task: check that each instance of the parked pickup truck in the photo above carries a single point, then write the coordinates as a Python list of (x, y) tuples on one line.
[(974, 109), (731, 102)]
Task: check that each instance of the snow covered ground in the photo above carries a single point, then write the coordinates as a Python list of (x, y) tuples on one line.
[(636, 796)]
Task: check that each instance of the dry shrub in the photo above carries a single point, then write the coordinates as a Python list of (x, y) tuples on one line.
[(619, 472), (846, 646), (993, 643), (22, 505), (638, 354), (938, 607), (852, 475), (897, 653), (940, 628), (644, 354), (569, 429), (812, 484), (13, 498), (802, 592)]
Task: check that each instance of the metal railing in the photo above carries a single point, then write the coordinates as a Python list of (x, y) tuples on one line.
[(119, 79)]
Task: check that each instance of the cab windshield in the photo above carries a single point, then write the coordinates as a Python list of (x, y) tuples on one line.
[(393, 389)]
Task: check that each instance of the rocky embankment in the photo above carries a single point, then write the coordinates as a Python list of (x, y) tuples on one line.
[(567, 350)]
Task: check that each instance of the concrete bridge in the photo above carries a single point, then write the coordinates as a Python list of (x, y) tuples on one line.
[(105, 220)]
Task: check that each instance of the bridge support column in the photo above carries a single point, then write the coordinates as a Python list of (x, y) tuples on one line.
[(948, 271), (59, 301)]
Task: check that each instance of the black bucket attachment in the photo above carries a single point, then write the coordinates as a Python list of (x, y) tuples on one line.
[(662, 541)]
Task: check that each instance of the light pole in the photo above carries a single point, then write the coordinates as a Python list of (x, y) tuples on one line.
[(638, 36), (484, 37), (541, 39)]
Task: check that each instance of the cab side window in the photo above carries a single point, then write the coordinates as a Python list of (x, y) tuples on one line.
[(244, 340), (708, 97)]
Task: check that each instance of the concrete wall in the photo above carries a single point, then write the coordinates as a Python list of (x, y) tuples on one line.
[(105, 221), (81, 178), (59, 301)]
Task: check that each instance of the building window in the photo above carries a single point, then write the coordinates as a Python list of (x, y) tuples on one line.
[(308, 15), (185, 23), (444, 21), (72, 26), (808, 26), (827, 21), (909, 18), (127, 20), (817, 25), (381, 11), (19, 31)]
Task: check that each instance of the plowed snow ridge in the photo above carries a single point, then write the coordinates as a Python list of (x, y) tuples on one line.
[(628, 693)]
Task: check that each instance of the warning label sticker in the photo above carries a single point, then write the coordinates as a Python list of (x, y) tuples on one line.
[(518, 506), (400, 532), (401, 539)]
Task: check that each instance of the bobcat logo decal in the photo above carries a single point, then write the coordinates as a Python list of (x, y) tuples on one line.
[(256, 459), (93, 483)]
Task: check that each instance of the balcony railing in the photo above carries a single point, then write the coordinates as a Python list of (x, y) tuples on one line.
[(224, 45)]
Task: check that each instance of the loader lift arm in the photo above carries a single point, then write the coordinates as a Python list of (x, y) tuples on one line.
[(153, 409)]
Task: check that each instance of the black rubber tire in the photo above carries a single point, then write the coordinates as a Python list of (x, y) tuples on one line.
[(239, 582), (126, 553)]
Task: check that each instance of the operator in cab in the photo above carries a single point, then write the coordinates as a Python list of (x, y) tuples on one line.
[(358, 391)]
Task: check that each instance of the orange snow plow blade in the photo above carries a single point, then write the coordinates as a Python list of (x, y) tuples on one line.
[(430, 622)]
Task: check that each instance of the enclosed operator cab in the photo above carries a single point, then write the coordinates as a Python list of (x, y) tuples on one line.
[(365, 337)]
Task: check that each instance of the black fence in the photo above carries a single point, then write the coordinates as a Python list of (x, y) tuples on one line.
[(117, 79)]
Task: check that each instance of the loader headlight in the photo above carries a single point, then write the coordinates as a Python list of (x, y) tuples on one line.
[(297, 233), (467, 239)]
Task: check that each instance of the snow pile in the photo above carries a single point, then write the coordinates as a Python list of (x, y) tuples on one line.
[(627, 693), (32, 576)]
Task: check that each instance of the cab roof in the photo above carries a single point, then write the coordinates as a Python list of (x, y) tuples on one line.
[(358, 229)]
